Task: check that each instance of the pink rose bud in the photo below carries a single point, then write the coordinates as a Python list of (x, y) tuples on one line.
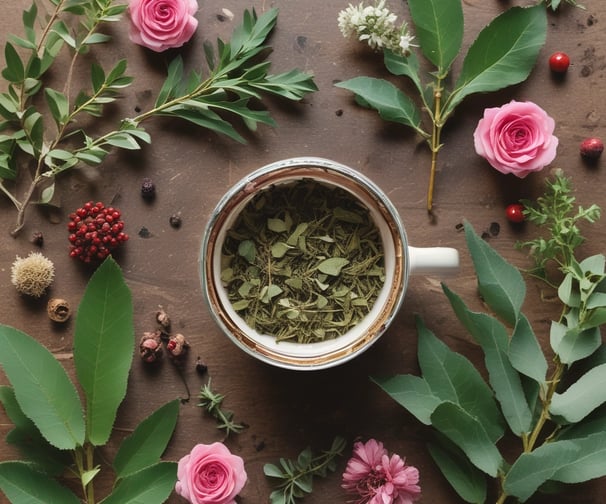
[(162, 24), (516, 138), (210, 474)]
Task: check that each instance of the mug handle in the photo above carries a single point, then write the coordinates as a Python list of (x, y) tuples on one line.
[(440, 261)]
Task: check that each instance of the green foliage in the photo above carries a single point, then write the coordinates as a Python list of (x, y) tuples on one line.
[(209, 98), (503, 54), (297, 475), (560, 427), (52, 429), (212, 402)]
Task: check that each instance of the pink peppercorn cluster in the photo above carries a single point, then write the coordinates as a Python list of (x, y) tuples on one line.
[(95, 230)]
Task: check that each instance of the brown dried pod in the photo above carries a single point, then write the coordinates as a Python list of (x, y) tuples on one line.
[(177, 346), (150, 346), (58, 310), (163, 319)]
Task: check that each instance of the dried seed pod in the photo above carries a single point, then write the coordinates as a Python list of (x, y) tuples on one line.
[(32, 275), (163, 319), (58, 310), (177, 346), (150, 346)]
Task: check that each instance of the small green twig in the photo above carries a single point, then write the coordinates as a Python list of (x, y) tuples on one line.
[(211, 401)]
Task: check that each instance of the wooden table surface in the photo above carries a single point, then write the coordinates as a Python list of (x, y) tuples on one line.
[(285, 411)]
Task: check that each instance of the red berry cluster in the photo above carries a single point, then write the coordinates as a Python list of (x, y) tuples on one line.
[(95, 230)]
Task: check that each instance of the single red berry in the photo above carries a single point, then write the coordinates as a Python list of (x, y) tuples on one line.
[(592, 148), (515, 213), (559, 62)]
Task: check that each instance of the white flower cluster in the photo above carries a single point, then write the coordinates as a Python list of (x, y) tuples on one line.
[(376, 25)]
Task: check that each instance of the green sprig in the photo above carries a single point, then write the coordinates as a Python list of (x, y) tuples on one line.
[(557, 213), (212, 401), (237, 74), (297, 475)]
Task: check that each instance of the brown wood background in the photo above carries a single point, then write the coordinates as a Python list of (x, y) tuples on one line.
[(285, 410)]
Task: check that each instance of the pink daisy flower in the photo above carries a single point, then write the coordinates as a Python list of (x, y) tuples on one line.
[(378, 478)]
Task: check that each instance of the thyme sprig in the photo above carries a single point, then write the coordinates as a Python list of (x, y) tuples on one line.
[(557, 213), (212, 403), (236, 74), (297, 475)]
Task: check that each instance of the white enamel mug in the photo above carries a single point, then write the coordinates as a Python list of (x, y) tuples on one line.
[(400, 260)]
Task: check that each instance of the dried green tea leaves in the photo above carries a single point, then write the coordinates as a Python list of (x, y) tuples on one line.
[(303, 262)]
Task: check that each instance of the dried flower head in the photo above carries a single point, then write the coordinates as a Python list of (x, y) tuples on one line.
[(32, 275), (376, 25), (378, 478)]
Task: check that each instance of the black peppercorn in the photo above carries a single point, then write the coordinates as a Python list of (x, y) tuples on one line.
[(175, 221), (148, 189)]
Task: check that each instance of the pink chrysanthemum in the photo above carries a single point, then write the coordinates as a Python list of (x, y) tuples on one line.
[(378, 478)]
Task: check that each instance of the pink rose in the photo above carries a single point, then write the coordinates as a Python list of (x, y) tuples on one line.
[(210, 474), (516, 138), (162, 24)]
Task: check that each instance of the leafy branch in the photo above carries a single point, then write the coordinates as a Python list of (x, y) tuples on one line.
[(297, 475), (557, 414), (59, 435), (502, 55), (211, 402), (237, 74)]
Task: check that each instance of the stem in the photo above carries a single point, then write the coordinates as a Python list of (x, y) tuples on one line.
[(435, 141), (90, 465), (22, 206)]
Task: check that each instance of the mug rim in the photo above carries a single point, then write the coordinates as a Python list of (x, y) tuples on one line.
[(322, 354)]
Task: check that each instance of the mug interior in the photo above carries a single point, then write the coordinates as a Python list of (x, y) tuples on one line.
[(317, 354)]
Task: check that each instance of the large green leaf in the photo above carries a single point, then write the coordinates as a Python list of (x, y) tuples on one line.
[(147, 443), (467, 480), (439, 28), (504, 379), (103, 348), (391, 103), (451, 377), (590, 462), (469, 434), (411, 392), (500, 284), (152, 485), (16, 482), (534, 468), (525, 352), (28, 439), (582, 397), (503, 54), (43, 390)]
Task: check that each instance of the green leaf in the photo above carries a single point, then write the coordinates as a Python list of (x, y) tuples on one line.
[(333, 265), (411, 392), (16, 482), (58, 105), (573, 344), (147, 443), (152, 485), (451, 377), (292, 85), (15, 70), (42, 388), (469, 434), (504, 379), (28, 439), (534, 468), (590, 462), (439, 28), (399, 65), (467, 480), (500, 284), (385, 98), (503, 54), (582, 397), (103, 348), (525, 352)]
